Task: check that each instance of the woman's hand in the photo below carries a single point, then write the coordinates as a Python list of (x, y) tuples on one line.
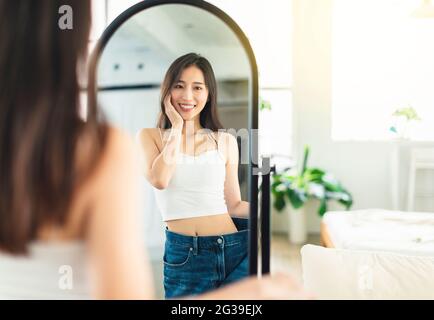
[(173, 115), (274, 287)]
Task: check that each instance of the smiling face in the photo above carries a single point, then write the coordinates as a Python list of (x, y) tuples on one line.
[(190, 93)]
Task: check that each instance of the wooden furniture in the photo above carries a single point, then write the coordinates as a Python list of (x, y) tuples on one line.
[(325, 237)]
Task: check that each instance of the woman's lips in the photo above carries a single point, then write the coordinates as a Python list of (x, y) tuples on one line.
[(186, 107)]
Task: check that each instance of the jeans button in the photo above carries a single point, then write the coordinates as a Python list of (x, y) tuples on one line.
[(219, 241)]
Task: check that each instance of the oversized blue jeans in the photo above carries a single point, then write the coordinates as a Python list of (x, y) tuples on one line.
[(194, 265)]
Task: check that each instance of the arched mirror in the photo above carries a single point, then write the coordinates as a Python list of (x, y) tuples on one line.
[(159, 67)]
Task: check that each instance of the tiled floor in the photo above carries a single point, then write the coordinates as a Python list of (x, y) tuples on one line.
[(285, 256)]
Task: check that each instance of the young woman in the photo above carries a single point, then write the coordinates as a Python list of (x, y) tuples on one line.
[(66, 206), (194, 169), (68, 195)]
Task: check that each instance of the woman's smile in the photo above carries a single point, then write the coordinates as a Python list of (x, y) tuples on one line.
[(186, 107)]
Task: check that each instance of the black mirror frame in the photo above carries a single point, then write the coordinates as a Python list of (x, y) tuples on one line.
[(253, 101)]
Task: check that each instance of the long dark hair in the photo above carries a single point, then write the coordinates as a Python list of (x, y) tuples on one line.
[(208, 116), (40, 123)]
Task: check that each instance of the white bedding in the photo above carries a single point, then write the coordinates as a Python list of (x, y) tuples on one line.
[(409, 233), (352, 274)]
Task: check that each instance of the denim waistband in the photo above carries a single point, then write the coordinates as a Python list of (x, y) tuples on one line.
[(210, 241)]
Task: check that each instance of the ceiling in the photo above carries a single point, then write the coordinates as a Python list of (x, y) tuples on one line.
[(159, 35)]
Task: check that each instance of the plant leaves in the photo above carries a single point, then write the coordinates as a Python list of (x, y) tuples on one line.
[(316, 190), (296, 198), (299, 186), (279, 201), (323, 207), (305, 158)]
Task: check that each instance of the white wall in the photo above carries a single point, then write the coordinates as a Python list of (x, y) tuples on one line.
[(364, 168)]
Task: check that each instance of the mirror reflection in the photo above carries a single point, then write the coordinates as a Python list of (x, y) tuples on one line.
[(177, 78)]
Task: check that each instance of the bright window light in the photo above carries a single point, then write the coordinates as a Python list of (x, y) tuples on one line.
[(268, 26), (383, 60)]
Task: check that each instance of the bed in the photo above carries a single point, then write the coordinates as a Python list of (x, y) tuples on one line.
[(372, 254), (380, 230), (331, 273)]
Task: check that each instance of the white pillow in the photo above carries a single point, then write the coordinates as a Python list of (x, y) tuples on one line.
[(350, 274)]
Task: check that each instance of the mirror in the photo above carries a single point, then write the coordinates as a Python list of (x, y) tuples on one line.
[(193, 246)]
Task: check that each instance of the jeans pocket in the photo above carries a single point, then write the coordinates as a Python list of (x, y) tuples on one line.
[(177, 256)]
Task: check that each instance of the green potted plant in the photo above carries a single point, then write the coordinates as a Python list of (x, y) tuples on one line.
[(296, 187), (404, 120)]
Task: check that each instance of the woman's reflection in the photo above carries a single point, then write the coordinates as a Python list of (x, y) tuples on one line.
[(193, 166)]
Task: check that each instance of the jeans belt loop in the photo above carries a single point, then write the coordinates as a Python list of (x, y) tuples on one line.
[(195, 246)]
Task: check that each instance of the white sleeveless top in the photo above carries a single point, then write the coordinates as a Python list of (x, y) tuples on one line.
[(50, 271), (196, 188)]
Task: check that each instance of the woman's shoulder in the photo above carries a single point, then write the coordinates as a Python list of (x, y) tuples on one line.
[(121, 151), (147, 134), (117, 159), (226, 139), (225, 135), (227, 145), (119, 154)]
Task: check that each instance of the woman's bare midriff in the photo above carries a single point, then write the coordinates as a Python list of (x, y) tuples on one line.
[(203, 226)]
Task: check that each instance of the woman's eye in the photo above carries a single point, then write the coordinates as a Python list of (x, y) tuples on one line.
[(178, 86), (198, 88)]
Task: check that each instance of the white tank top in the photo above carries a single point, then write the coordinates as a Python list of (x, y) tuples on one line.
[(196, 188), (50, 271)]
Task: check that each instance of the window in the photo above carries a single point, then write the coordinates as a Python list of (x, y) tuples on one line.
[(268, 26), (382, 61)]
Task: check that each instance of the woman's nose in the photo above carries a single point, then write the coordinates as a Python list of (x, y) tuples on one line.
[(188, 94)]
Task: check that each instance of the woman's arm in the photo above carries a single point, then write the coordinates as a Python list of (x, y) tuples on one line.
[(160, 166), (236, 206), (117, 258)]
